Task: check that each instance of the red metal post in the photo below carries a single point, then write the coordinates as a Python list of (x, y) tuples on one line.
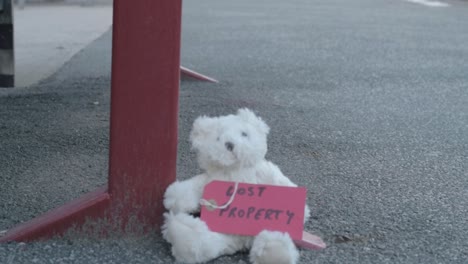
[(191, 74), (145, 90), (143, 135)]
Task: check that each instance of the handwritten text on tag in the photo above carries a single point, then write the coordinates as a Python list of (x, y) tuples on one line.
[(254, 208)]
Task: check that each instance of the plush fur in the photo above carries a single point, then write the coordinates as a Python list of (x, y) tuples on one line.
[(229, 148)]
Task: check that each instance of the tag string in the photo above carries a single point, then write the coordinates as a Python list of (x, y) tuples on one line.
[(207, 203)]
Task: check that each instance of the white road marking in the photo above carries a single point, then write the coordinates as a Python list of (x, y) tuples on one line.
[(429, 3)]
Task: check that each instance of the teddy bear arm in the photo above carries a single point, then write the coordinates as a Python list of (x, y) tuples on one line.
[(269, 173), (184, 196)]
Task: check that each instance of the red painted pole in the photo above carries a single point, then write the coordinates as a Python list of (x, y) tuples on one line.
[(191, 74), (143, 135), (144, 109)]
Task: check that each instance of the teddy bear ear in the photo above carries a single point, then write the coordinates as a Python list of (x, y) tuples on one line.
[(249, 116), (201, 126)]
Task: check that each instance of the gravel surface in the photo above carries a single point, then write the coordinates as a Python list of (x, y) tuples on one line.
[(368, 105)]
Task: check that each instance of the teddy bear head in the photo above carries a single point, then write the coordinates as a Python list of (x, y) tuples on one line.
[(229, 142)]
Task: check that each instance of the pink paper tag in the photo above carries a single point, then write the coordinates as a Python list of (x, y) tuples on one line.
[(255, 207), (310, 241)]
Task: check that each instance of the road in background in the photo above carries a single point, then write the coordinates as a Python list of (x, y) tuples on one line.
[(47, 36)]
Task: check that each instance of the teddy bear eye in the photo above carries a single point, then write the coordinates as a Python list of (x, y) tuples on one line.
[(244, 134)]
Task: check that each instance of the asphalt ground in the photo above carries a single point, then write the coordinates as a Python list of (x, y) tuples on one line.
[(367, 101)]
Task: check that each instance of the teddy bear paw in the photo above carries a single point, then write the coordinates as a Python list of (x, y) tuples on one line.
[(191, 240), (177, 199), (273, 247)]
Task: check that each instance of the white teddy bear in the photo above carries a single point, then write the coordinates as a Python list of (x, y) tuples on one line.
[(229, 148)]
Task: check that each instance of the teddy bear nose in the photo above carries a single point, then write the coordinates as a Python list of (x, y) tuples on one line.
[(229, 146)]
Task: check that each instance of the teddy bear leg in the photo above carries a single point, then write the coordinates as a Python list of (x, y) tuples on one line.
[(273, 247), (193, 242)]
